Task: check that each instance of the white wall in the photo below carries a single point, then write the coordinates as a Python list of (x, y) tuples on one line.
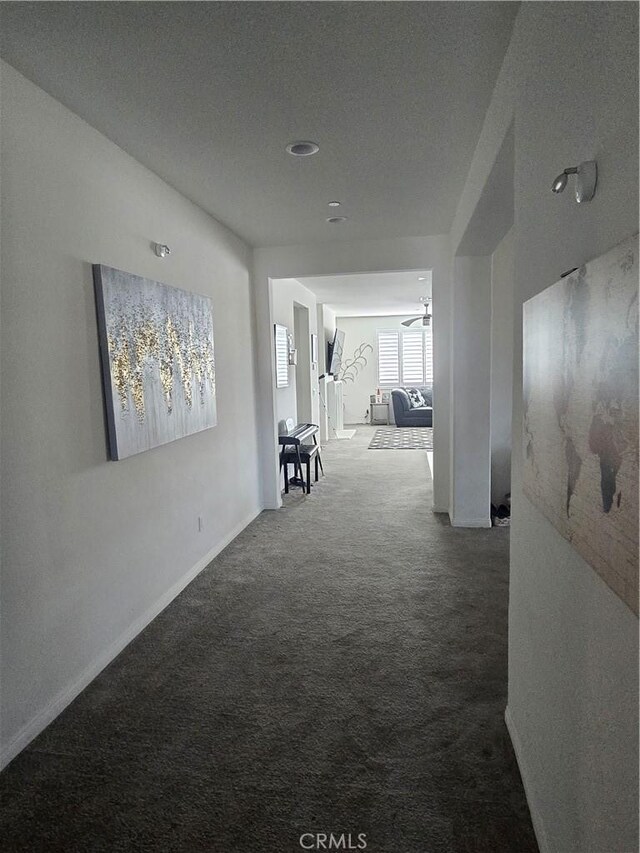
[(363, 330), (285, 293), (470, 503), (502, 286), (570, 81), (326, 329), (417, 253), (93, 549), (305, 373)]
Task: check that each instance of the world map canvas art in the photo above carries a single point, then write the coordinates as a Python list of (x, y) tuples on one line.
[(156, 345), (580, 423)]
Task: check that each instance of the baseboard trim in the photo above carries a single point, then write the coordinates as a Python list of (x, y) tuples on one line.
[(470, 522), (64, 698), (536, 818), (435, 508)]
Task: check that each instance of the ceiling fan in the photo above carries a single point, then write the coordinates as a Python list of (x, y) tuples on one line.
[(426, 317)]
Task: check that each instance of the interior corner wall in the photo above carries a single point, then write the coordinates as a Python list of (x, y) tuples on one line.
[(501, 402), (326, 333), (286, 292), (570, 79), (470, 393), (306, 372), (92, 550), (337, 258)]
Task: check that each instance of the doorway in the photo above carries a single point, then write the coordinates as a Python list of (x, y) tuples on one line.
[(368, 302)]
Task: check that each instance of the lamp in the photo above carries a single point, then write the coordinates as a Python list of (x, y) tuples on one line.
[(586, 178)]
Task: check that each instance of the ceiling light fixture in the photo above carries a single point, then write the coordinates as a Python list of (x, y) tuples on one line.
[(586, 178), (422, 278), (334, 220), (302, 148), (334, 204)]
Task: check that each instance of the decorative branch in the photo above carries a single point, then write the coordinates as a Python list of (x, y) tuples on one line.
[(353, 367)]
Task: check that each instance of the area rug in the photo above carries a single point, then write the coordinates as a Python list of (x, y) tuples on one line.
[(402, 438)]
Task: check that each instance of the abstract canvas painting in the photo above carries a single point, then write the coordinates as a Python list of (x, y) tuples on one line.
[(156, 346), (580, 413)]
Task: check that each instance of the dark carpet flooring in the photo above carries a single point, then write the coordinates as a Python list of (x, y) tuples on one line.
[(340, 667)]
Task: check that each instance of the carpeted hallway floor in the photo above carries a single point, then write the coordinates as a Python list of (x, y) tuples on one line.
[(340, 667)]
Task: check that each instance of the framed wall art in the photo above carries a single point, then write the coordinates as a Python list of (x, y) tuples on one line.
[(158, 365), (580, 413), (281, 334)]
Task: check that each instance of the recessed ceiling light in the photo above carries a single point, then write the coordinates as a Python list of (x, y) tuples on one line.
[(422, 278), (303, 148), (334, 220), (334, 204)]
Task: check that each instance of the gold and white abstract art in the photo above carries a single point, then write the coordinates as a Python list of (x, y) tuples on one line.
[(156, 345)]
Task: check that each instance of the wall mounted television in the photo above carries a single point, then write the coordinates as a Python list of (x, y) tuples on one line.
[(334, 354)]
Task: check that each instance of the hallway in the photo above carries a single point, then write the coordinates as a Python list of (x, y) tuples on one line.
[(340, 667)]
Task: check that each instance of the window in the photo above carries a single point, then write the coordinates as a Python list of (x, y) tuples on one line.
[(388, 358), (405, 357), (412, 357), (428, 356)]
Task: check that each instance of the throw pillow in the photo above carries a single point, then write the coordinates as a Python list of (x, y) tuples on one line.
[(416, 398)]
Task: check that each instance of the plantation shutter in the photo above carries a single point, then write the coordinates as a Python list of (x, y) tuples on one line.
[(428, 356), (388, 358), (413, 357), (406, 357)]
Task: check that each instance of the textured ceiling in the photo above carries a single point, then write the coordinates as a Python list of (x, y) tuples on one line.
[(207, 95)]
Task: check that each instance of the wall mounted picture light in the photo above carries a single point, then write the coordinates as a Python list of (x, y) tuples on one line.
[(586, 179)]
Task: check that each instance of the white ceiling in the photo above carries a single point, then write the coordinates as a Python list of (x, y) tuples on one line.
[(208, 94), (372, 294)]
